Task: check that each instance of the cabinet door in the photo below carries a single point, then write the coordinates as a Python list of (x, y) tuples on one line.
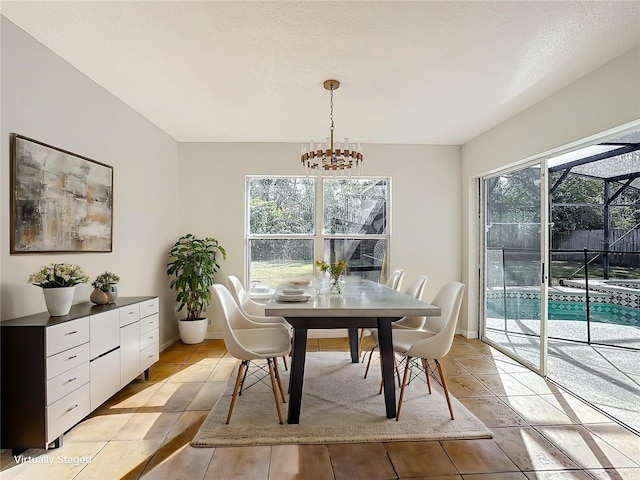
[(105, 378), (129, 353), (105, 332)]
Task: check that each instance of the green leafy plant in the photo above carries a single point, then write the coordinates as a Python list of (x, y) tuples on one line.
[(192, 271), (105, 280), (58, 275)]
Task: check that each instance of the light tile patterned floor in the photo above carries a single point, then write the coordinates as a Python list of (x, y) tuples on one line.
[(143, 432)]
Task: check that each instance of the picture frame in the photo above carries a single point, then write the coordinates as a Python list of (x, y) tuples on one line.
[(60, 201)]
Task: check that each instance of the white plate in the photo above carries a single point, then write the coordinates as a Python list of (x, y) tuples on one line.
[(293, 298), (293, 292)]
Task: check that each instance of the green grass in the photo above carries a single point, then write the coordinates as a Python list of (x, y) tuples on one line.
[(272, 273)]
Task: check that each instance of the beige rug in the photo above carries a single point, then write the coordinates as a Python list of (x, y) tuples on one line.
[(338, 406)]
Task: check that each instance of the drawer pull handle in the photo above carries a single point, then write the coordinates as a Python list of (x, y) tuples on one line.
[(72, 379), (150, 338), (151, 356), (72, 357), (71, 333), (71, 408), (130, 313)]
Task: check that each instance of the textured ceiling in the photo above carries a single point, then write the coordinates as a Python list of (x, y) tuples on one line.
[(411, 72)]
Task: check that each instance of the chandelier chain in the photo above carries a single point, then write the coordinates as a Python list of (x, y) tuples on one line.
[(331, 109)]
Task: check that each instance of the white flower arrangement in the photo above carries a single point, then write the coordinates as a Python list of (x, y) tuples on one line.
[(58, 275)]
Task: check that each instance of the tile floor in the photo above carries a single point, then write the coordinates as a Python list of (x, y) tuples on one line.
[(143, 432)]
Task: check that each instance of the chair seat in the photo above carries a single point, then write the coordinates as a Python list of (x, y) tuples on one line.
[(403, 340), (265, 342)]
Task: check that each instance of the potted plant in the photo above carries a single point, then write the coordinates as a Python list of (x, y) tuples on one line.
[(58, 282), (104, 288), (192, 271)]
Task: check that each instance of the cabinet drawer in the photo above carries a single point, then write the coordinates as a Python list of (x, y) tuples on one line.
[(149, 323), (148, 338), (149, 307), (67, 360), (67, 335), (129, 314), (149, 356), (66, 412), (67, 382), (105, 332)]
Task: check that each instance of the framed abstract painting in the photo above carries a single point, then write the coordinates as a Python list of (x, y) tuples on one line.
[(60, 201)]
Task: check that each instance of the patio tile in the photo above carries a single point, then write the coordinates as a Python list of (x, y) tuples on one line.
[(584, 447), (503, 384), (529, 450), (536, 411), (478, 456), (618, 437), (559, 475), (466, 386), (493, 412), (575, 408), (477, 364)]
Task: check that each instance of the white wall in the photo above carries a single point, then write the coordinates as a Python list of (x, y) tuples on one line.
[(425, 205), (605, 99), (45, 98)]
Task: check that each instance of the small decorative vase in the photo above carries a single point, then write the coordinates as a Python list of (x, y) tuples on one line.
[(112, 294), (337, 284), (99, 297), (58, 300)]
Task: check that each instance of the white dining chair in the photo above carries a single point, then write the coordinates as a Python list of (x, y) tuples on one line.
[(248, 342), (395, 280), (242, 297), (427, 345), (254, 311), (416, 290)]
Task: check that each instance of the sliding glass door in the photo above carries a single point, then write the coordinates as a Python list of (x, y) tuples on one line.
[(514, 257)]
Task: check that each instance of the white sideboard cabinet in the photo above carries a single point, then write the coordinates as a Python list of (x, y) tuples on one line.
[(57, 370)]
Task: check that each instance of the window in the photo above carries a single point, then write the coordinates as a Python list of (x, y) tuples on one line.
[(291, 219)]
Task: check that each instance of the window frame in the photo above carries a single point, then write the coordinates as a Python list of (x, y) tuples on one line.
[(317, 235)]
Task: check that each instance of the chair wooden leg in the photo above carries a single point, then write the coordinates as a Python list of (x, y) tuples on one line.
[(284, 360), (239, 377), (366, 372), (425, 365), (444, 386), (404, 384), (360, 345), (277, 372), (274, 387)]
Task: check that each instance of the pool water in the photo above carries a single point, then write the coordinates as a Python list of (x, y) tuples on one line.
[(529, 309)]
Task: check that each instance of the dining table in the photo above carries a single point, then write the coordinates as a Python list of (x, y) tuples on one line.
[(361, 304)]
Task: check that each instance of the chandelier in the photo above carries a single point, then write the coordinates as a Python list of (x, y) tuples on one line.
[(332, 157)]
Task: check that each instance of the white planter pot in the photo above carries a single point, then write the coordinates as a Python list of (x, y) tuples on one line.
[(58, 300), (193, 331)]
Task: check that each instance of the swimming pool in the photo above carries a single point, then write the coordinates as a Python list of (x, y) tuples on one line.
[(529, 309)]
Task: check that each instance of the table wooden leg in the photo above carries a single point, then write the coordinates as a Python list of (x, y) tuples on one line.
[(353, 345), (297, 374), (385, 343)]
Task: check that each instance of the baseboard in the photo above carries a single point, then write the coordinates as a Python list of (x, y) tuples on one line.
[(167, 344), (467, 333)]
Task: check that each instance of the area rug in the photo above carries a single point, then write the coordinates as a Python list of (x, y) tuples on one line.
[(338, 406)]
